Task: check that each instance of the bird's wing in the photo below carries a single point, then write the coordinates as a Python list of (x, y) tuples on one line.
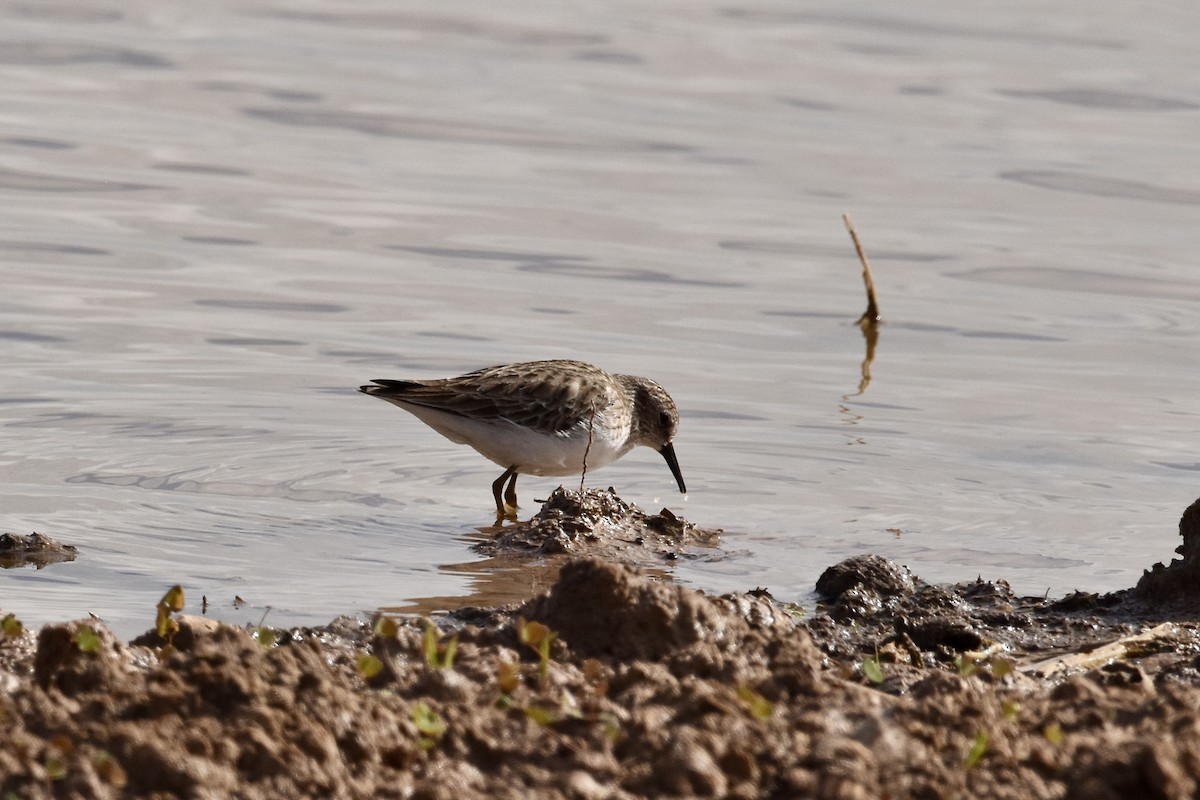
[(549, 398)]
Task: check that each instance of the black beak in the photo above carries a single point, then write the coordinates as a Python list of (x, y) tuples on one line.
[(668, 452)]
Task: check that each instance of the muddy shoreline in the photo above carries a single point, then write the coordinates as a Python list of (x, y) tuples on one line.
[(618, 684)]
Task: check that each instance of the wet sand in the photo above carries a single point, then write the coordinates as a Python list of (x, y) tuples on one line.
[(616, 683)]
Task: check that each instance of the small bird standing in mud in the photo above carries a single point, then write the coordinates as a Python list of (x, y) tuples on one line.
[(542, 418)]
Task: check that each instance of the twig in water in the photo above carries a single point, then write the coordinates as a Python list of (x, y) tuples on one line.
[(871, 315)]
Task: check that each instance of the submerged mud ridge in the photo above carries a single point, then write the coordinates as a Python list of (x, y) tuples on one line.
[(615, 684)]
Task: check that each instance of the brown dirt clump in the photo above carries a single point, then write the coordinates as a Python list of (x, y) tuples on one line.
[(616, 684)]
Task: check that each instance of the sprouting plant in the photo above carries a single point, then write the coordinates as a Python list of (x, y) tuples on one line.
[(87, 640), (386, 627), (759, 707), (1054, 734), (59, 750), (1011, 710), (508, 678), (437, 655), (977, 752), (368, 665), (1001, 666), (262, 634), (429, 724), (538, 637), (542, 715), (109, 770), (10, 626), (167, 626), (872, 669)]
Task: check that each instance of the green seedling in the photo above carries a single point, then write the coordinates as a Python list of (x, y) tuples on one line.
[(11, 627), (1001, 667), (538, 637), (978, 750), (262, 634), (87, 640), (368, 665), (1011, 709), (386, 628), (760, 707), (429, 724), (56, 766), (542, 715), (437, 655), (166, 625), (1054, 734), (508, 677), (965, 665), (59, 750), (872, 669), (108, 770)]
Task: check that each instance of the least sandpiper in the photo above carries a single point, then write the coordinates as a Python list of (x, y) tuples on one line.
[(542, 418)]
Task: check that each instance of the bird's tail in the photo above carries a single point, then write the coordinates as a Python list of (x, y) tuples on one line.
[(388, 388)]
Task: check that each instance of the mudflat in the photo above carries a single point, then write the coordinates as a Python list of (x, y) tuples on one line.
[(617, 683)]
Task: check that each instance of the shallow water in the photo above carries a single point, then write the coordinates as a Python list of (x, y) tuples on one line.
[(216, 221)]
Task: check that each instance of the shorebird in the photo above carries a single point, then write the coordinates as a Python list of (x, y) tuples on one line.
[(542, 418)]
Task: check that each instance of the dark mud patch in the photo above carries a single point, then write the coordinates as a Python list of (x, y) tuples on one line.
[(33, 550), (617, 684)]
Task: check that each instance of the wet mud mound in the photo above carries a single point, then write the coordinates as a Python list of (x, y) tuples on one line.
[(599, 524)]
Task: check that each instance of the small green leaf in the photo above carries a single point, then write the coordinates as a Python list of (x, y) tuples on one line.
[(369, 666), (965, 666), (437, 655), (427, 720), (1011, 709), (56, 767), (109, 770), (87, 640), (508, 675), (386, 628), (173, 599), (11, 626), (532, 633), (612, 728), (264, 636), (540, 638), (429, 645), (541, 715), (1002, 667), (978, 750), (1054, 734), (760, 707), (872, 670)]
